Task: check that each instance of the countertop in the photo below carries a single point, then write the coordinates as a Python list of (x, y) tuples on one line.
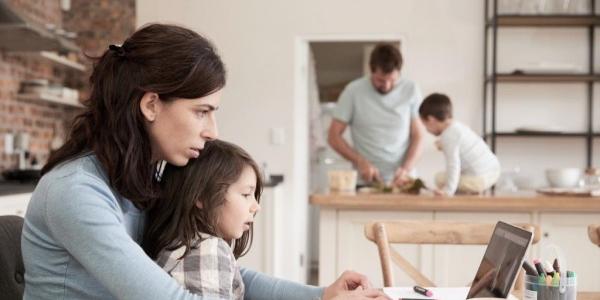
[(518, 202)]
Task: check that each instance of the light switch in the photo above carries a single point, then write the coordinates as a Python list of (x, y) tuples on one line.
[(277, 136)]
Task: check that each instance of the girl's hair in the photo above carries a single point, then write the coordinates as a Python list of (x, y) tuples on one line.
[(175, 220), (169, 60)]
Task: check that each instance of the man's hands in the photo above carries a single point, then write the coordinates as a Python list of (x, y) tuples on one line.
[(352, 286), (368, 172), (401, 176)]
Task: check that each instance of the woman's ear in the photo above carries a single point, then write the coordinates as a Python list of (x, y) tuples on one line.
[(199, 204), (150, 106)]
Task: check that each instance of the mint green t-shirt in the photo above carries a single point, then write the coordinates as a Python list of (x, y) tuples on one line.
[(380, 124)]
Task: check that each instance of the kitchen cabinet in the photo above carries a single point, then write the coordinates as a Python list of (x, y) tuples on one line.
[(569, 233), (14, 204), (265, 255)]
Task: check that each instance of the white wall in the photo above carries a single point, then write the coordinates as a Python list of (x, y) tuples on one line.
[(443, 51)]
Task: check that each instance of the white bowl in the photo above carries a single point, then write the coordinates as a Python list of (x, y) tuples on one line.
[(563, 178)]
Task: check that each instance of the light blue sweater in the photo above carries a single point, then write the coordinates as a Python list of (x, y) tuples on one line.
[(81, 241)]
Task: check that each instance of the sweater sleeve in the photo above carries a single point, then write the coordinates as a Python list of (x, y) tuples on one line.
[(263, 287), (86, 220), (452, 154)]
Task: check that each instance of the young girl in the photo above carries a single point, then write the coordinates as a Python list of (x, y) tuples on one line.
[(204, 221)]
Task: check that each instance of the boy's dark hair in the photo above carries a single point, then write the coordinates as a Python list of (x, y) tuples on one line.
[(385, 57), (172, 61), (436, 105), (175, 220)]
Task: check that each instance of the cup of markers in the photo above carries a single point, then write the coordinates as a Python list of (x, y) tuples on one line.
[(546, 281)]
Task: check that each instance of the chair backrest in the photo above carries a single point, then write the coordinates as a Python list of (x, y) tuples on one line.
[(429, 232), (12, 270), (594, 233)]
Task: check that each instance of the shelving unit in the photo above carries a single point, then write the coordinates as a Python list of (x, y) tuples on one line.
[(493, 78), (61, 60), (49, 98), (17, 34)]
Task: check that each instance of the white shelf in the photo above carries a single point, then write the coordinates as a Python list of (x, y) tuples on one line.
[(49, 98), (53, 56)]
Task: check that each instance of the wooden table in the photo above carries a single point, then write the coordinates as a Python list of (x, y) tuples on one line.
[(588, 296)]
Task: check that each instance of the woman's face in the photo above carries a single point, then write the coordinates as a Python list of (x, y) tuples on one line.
[(237, 214), (178, 129)]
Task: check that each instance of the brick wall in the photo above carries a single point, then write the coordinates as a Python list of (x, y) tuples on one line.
[(98, 23)]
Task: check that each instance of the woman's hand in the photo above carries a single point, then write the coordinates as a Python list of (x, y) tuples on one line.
[(352, 285)]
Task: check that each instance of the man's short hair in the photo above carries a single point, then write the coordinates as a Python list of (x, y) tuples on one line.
[(385, 57), (436, 105)]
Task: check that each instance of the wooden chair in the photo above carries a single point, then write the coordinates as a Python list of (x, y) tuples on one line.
[(429, 232), (594, 234)]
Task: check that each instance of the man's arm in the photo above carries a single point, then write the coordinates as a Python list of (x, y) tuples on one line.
[(367, 171), (337, 142), (414, 151)]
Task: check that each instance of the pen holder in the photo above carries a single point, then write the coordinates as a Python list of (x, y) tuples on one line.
[(536, 290)]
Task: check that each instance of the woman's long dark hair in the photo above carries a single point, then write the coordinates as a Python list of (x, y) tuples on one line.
[(175, 220), (169, 60)]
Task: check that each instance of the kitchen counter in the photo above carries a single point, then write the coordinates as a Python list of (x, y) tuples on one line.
[(14, 187), (518, 202), (563, 221)]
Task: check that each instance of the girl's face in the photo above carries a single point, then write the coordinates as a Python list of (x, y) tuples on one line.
[(237, 214), (178, 129)]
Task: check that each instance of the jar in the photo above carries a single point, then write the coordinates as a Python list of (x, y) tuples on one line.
[(591, 178)]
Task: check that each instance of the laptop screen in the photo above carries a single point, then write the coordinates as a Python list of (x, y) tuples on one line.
[(501, 262)]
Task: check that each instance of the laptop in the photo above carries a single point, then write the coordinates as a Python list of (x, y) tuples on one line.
[(497, 271), (501, 262)]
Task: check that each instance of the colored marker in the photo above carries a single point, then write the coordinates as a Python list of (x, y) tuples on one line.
[(556, 279), (539, 268), (541, 280), (556, 266), (529, 269), (548, 268), (548, 280), (423, 291)]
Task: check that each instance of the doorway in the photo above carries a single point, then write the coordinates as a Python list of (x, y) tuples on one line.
[(324, 66)]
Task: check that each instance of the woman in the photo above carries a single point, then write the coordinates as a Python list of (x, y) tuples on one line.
[(152, 99)]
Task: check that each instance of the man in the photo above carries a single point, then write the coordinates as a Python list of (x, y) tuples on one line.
[(382, 112)]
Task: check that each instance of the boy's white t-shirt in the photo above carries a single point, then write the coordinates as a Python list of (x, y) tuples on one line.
[(466, 154)]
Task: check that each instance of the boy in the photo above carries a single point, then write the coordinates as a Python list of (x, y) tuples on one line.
[(471, 167)]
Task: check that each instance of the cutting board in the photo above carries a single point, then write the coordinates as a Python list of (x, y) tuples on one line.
[(578, 192)]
